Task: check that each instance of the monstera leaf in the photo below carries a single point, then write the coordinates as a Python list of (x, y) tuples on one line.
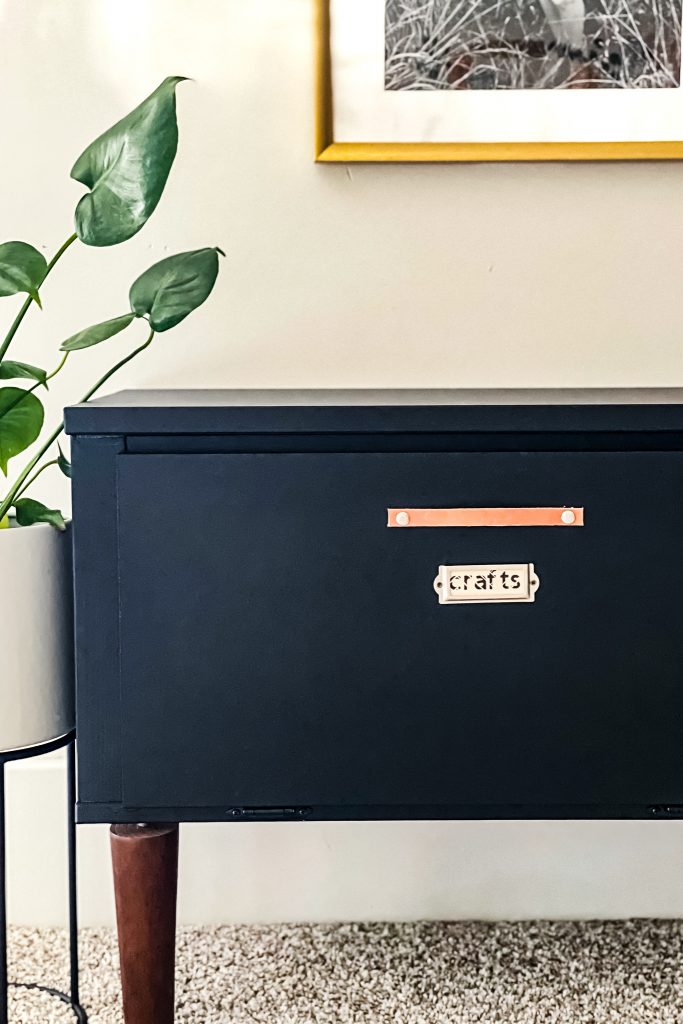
[(126, 169), (11, 370), (22, 269), (97, 333), (174, 287), (30, 511), (21, 420), (63, 463), (164, 295)]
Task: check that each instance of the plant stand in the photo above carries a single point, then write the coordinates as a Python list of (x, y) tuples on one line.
[(72, 999)]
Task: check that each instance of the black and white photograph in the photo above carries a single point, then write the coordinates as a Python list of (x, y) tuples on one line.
[(532, 44)]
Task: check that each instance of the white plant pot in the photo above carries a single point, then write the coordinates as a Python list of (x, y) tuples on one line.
[(36, 636)]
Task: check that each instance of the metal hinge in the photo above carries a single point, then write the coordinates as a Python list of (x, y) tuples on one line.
[(667, 810), (269, 813)]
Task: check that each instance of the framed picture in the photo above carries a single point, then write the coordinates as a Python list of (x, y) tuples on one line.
[(442, 80)]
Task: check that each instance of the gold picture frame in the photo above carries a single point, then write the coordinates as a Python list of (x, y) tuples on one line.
[(327, 150)]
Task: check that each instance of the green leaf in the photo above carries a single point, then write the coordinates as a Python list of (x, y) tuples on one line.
[(13, 371), (22, 269), (126, 169), (21, 420), (30, 511), (97, 333), (172, 288), (64, 463)]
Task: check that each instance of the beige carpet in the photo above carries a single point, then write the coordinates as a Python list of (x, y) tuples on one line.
[(543, 973)]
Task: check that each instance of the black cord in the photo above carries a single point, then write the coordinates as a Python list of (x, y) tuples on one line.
[(29, 986)]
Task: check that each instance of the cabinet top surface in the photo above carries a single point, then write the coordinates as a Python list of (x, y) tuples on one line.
[(367, 410), (327, 397)]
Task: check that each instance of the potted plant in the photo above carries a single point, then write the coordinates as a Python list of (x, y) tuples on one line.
[(125, 171)]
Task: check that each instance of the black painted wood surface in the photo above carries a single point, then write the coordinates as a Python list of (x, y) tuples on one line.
[(254, 643)]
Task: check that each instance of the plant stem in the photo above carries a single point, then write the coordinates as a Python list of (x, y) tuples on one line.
[(9, 500), (24, 309), (46, 465), (34, 387), (23, 476), (56, 370), (39, 384), (117, 367)]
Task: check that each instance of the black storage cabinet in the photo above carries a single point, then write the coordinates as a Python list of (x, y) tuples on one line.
[(254, 641)]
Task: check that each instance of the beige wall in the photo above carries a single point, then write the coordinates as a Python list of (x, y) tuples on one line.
[(365, 276), (378, 276)]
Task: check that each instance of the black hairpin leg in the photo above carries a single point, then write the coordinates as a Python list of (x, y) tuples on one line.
[(73, 999), (73, 901)]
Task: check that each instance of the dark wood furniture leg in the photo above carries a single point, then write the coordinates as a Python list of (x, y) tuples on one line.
[(145, 861)]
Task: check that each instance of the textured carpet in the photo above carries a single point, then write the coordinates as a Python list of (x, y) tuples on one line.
[(583, 973)]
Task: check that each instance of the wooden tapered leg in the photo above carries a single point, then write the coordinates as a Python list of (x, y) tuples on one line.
[(145, 862)]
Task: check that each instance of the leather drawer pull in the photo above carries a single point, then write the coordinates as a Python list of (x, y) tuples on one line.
[(406, 517)]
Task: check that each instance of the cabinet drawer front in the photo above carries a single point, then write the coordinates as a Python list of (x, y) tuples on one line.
[(280, 646)]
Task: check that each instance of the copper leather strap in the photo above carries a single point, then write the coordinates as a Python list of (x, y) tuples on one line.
[(404, 518)]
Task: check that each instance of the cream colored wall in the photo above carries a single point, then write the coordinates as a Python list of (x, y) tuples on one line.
[(478, 275), (329, 871), (365, 276)]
